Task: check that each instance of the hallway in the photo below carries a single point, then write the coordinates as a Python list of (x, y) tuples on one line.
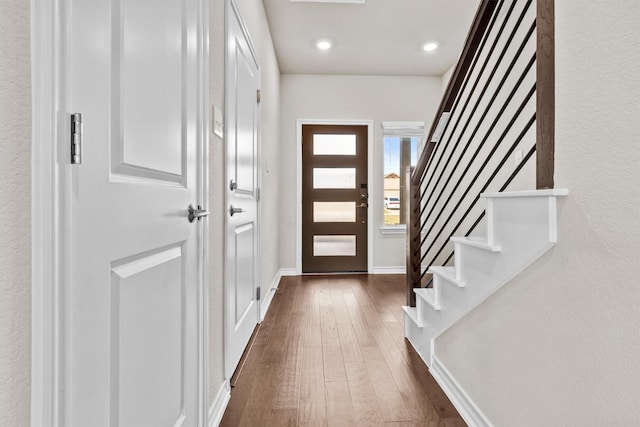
[(331, 352)]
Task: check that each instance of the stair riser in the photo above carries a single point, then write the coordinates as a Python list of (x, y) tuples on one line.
[(514, 221)]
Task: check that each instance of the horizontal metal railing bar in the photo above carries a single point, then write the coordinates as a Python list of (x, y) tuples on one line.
[(482, 142), (480, 169), (480, 97), (475, 35), (477, 221), (486, 185), (467, 79)]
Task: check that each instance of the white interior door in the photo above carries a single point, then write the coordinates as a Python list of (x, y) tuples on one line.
[(242, 204), (132, 311)]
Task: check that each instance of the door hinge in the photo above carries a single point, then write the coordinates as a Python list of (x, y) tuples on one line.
[(258, 194), (258, 293), (258, 95), (76, 139)]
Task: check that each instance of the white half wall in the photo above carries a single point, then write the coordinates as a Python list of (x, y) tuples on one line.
[(559, 344), (327, 97)]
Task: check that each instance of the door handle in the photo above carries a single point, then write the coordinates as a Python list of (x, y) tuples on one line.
[(194, 213), (364, 205), (233, 210)]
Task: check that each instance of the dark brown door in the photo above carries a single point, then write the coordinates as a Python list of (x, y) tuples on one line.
[(334, 198)]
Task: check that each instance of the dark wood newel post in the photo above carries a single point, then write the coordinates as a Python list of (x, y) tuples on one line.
[(411, 196), (545, 94)]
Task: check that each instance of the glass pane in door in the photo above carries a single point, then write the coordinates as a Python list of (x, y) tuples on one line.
[(334, 211), (326, 178), (334, 145), (334, 245)]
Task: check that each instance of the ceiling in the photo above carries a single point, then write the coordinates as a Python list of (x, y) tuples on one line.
[(379, 37)]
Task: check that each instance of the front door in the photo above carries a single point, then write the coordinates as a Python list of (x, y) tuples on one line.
[(132, 299), (243, 79), (334, 198)]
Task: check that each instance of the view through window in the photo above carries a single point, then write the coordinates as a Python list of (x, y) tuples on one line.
[(399, 152)]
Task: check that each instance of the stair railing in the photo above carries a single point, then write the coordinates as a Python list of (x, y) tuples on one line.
[(483, 137)]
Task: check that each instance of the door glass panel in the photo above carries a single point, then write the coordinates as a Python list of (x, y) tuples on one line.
[(334, 211), (334, 178), (334, 245), (334, 145)]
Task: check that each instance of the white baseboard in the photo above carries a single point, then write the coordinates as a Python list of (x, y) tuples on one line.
[(389, 270), (468, 410), (219, 405), (288, 272), (267, 295)]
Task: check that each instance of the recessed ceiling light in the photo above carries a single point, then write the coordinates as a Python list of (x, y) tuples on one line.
[(330, 1), (430, 46), (323, 44)]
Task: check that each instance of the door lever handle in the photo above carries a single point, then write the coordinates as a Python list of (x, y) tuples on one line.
[(233, 210), (194, 213), (364, 205)]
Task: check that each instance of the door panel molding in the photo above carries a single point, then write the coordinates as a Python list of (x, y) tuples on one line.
[(370, 177)]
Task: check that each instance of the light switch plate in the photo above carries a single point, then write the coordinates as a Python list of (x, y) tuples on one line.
[(218, 122)]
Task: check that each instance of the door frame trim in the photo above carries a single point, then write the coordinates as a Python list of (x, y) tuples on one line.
[(371, 188), (50, 201)]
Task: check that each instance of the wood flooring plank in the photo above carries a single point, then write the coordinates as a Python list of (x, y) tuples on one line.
[(363, 396), (312, 409), (339, 407), (349, 343), (242, 391), (339, 307), (330, 337), (274, 350), (333, 364), (389, 397), (287, 391), (258, 409)]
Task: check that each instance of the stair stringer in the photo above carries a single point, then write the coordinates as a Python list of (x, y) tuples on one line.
[(521, 226)]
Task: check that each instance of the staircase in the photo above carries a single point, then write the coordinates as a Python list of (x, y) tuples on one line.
[(521, 226)]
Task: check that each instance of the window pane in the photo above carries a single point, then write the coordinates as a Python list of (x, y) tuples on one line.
[(334, 245), (334, 178), (334, 211), (399, 153), (334, 145)]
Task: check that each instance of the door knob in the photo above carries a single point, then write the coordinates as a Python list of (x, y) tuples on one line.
[(194, 213), (233, 210)]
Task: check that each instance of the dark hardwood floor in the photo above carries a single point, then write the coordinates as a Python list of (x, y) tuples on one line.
[(331, 352)]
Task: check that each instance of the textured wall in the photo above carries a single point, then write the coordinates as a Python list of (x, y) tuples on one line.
[(15, 282), (377, 98), (559, 344)]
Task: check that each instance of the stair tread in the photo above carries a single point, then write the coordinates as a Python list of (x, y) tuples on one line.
[(412, 312), (448, 273), (478, 242), (556, 192), (428, 295)]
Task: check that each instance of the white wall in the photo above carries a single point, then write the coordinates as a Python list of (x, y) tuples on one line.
[(15, 225), (559, 345), (216, 201), (255, 20), (377, 98)]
